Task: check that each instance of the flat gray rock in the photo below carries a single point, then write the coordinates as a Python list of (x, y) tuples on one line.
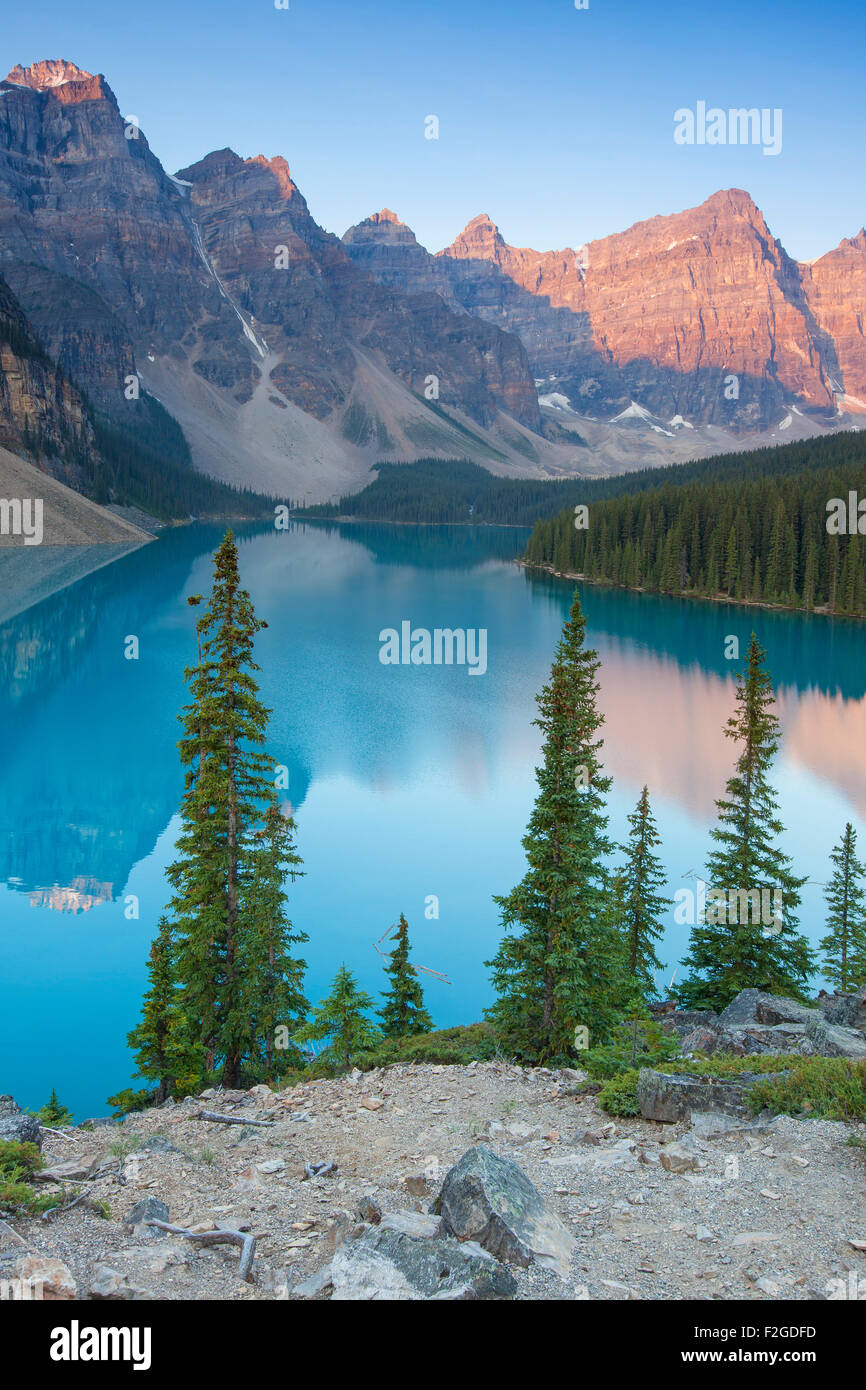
[(754, 1006), (831, 1040), (667, 1097), (389, 1265)]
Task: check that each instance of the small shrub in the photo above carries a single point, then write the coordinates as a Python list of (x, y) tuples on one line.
[(127, 1101), (822, 1088), (639, 1043), (18, 1163), (618, 1095)]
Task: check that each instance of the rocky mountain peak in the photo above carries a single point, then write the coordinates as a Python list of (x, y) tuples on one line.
[(49, 72), (61, 79), (214, 165), (480, 238), (381, 228), (279, 167)]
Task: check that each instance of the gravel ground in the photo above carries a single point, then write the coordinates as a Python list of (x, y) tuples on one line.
[(770, 1214)]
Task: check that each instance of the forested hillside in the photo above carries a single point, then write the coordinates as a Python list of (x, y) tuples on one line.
[(752, 527)]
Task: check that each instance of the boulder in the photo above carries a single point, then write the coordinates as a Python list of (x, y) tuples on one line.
[(150, 1209), (412, 1223), (51, 1277), (846, 1010), (387, 1264), (831, 1040), (754, 1006), (668, 1098), (676, 1158), (16, 1126), (108, 1285), (684, 1020), (490, 1200), (705, 1038)]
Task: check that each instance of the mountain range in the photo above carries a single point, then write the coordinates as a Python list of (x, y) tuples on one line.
[(206, 316)]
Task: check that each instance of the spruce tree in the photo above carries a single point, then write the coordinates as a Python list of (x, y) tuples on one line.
[(844, 946), (559, 966), (163, 1053), (727, 956), (227, 795), (642, 904), (342, 1021), (271, 976), (403, 1013), (53, 1113)]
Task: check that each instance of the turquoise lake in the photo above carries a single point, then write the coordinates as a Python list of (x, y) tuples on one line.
[(406, 781)]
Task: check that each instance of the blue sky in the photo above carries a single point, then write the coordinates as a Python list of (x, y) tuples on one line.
[(556, 122)]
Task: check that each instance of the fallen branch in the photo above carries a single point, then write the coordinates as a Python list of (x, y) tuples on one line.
[(46, 1129), (220, 1236), (318, 1170), (232, 1119), (65, 1206)]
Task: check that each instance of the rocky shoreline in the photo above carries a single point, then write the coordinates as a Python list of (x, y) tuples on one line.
[(451, 1182)]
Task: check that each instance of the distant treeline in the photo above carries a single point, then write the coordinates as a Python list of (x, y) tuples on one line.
[(453, 490), (744, 526)]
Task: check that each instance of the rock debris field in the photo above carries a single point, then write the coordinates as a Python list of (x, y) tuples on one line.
[(340, 1188)]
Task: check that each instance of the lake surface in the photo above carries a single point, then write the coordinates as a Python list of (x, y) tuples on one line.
[(407, 781)]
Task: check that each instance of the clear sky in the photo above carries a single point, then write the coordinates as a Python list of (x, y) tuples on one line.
[(557, 122)]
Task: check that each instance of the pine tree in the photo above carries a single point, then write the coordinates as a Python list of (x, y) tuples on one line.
[(53, 1113), (728, 956), (228, 791), (642, 904), (342, 1021), (559, 966), (271, 977), (844, 946), (162, 1052), (404, 1012)]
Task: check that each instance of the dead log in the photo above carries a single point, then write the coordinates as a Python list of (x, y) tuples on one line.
[(220, 1236), (232, 1119)]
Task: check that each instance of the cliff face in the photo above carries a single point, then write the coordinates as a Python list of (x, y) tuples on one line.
[(42, 416), (118, 264), (664, 312), (314, 308), (95, 238), (835, 291)]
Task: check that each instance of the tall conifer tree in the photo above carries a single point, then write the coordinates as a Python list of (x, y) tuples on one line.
[(559, 966), (844, 946), (164, 1052), (403, 1013), (227, 796), (272, 977), (642, 904), (728, 956)]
